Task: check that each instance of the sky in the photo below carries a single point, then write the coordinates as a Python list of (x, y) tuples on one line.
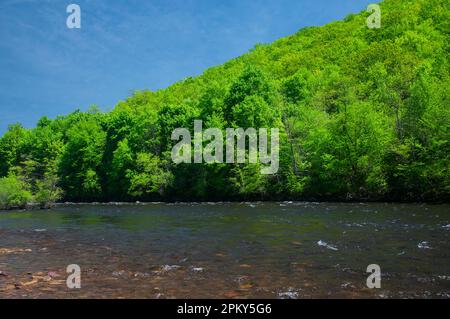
[(47, 69)]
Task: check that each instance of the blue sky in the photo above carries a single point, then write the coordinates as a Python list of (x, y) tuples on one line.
[(126, 45)]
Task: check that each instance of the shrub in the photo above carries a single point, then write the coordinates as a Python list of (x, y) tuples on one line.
[(14, 193)]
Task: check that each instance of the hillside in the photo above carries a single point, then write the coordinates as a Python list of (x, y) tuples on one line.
[(363, 115)]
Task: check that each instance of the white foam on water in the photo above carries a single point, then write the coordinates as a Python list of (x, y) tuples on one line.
[(423, 245), (324, 244), (169, 267), (291, 293)]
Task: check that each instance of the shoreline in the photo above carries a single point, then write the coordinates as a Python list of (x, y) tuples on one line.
[(34, 207)]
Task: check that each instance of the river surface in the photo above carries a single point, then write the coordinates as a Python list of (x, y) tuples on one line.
[(227, 250)]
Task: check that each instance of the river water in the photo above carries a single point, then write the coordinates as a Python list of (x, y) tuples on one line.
[(227, 250)]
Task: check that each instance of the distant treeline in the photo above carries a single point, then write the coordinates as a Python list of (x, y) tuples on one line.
[(364, 114)]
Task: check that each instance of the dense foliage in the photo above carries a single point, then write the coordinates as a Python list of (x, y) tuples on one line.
[(363, 114)]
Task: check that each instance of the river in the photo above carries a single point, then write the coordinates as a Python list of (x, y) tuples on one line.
[(227, 250)]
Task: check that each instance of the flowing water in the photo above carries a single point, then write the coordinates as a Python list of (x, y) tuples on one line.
[(227, 250)]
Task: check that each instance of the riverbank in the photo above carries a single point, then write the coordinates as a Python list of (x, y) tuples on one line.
[(138, 203)]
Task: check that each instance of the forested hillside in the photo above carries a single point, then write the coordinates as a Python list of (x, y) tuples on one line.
[(363, 115)]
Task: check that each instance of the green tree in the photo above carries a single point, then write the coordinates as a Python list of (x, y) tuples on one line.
[(10, 147), (81, 161), (150, 176)]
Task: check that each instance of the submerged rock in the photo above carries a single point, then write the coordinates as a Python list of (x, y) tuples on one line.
[(232, 294), (246, 286), (5, 251), (118, 273), (53, 274)]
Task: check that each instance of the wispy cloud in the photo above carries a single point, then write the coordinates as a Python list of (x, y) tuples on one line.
[(48, 69)]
